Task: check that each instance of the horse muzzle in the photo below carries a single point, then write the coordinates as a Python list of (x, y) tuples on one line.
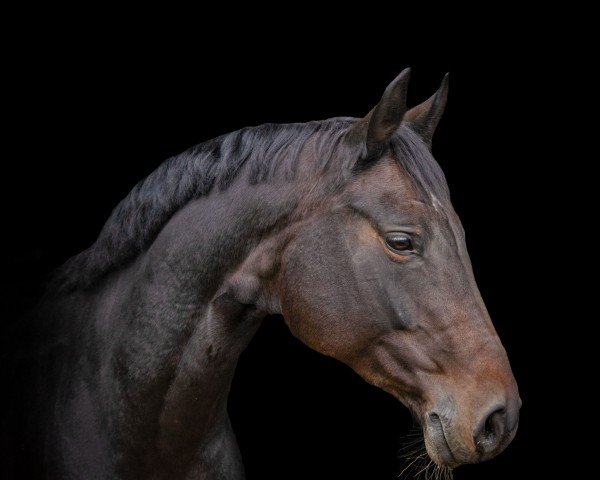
[(452, 441)]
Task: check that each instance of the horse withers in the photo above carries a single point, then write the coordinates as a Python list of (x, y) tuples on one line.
[(343, 226)]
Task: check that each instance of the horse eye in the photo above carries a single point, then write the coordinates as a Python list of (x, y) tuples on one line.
[(399, 243)]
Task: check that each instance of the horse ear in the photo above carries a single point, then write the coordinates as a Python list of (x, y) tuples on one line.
[(387, 115), (423, 118)]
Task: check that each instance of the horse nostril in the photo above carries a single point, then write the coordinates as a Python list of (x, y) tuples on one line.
[(490, 427), (435, 418), (491, 430)]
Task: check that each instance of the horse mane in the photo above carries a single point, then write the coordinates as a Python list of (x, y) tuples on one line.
[(268, 151)]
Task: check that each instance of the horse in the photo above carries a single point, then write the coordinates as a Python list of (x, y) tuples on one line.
[(344, 227)]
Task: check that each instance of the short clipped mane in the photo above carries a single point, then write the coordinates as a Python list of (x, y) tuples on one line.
[(268, 151)]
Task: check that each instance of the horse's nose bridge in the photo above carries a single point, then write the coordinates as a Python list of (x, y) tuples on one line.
[(455, 294), (475, 360), (469, 332), (470, 321)]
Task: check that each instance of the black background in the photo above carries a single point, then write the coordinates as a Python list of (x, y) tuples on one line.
[(94, 110)]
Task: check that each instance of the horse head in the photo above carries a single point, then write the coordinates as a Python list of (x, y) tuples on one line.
[(378, 276)]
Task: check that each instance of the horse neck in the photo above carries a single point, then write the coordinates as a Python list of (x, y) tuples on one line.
[(174, 323)]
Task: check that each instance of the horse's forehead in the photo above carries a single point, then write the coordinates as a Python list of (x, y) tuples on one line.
[(387, 185)]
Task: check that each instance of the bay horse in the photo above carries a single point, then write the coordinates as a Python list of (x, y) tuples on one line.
[(343, 226)]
